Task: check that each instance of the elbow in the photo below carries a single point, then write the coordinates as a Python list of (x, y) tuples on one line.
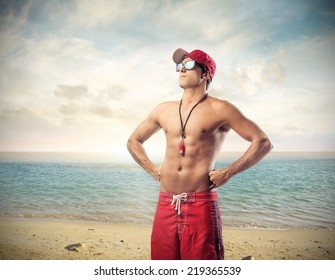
[(266, 144), (263, 144), (130, 144)]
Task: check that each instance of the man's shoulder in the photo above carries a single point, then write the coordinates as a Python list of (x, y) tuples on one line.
[(170, 103), (163, 108), (166, 105), (220, 103)]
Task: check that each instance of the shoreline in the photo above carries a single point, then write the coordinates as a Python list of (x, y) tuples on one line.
[(27, 239), (225, 226)]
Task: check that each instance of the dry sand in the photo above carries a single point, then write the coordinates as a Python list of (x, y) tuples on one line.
[(53, 240)]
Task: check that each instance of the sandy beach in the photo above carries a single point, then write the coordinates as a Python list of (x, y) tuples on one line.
[(55, 240)]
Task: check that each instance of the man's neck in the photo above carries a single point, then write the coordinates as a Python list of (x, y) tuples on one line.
[(191, 95)]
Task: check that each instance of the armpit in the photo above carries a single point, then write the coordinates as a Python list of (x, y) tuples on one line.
[(224, 128)]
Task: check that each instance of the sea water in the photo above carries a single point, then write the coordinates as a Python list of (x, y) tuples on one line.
[(285, 190)]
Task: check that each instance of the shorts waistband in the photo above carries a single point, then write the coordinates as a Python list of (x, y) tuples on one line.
[(191, 196)]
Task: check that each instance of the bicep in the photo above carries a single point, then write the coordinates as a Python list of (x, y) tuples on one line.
[(146, 129), (243, 126)]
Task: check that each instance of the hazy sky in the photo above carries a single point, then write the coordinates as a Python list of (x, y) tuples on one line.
[(80, 75)]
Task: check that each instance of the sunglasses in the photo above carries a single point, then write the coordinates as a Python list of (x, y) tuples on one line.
[(188, 65)]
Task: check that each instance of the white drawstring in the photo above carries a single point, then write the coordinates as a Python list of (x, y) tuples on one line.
[(177, 199)]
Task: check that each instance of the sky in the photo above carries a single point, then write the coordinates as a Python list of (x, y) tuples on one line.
[(80, 75)]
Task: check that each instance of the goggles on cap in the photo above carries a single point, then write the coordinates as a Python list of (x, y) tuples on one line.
[(188, 65)]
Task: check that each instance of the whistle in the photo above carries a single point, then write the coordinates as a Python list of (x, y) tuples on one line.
[(182, 149)]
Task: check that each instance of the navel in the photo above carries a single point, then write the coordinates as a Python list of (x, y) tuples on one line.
[(180, 169)]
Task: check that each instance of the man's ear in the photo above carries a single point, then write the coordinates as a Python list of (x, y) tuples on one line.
[(206, 75)]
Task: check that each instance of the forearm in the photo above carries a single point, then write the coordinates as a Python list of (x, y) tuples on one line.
[(254, 154), (139, 154)]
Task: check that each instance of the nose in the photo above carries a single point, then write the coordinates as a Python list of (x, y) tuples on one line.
[(182, 69)]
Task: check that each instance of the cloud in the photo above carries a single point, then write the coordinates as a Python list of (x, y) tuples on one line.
[(22, 128), (104, 13), (71, 92), (78, 102), (259, 74), (93, 70)]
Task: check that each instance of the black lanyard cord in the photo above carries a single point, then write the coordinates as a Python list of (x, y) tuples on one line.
[(183, 126)]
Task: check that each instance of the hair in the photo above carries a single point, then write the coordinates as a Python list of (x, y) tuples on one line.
[(203, 71)]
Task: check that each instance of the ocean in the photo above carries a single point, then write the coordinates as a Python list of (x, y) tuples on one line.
[(284, 191)]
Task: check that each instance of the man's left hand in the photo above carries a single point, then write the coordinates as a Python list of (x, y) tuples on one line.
[(219, 177)]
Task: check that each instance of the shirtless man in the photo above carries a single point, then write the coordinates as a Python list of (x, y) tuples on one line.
[(187, 223)]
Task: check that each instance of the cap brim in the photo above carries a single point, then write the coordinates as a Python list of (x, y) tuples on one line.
[(179, 55)]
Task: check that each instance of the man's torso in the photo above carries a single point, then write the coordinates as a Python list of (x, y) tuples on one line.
[(205, 132)]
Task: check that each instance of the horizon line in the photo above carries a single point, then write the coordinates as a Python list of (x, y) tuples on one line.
[(110, 152)]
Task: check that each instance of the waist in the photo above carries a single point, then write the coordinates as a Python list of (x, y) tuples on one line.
[(184, 181), (191, 196)]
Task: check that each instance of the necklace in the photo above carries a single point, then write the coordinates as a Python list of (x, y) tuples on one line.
[(183, 126)]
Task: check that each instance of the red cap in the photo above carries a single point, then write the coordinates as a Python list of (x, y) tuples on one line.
[(198, 56)]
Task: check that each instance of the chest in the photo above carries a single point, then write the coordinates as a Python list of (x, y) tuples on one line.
[(200, 124)]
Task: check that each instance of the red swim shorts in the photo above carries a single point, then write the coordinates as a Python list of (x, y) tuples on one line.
[(187, 227)]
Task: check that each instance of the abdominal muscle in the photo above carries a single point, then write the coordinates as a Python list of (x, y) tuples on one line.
[(187, 173), (186, 180)]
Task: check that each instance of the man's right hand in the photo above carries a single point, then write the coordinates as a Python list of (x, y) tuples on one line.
[(157, 172)]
